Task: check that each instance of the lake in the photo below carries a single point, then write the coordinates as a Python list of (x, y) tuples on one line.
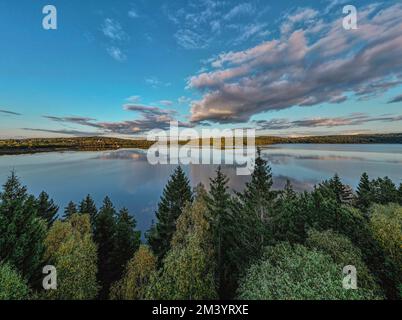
[(130, 181)]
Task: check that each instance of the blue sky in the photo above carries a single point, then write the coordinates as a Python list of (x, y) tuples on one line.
[(125, 67)]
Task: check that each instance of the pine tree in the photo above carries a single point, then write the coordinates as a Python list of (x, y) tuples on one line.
[(127, 240), (87, 206), (69, 210), (104, 236), (47, 209), (222, 224), (175, 196), (22, 231), (364, 193)]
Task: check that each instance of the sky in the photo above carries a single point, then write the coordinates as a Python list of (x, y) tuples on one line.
[(123, 68)]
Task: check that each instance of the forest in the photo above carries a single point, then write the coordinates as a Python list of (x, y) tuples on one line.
[(35, 145), (208, 243)]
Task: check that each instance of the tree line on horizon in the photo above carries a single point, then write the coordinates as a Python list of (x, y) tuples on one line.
[(258, 244)]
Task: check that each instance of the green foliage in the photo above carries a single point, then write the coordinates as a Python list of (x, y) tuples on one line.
[(344, 253), (134, 284), (384, 191), (127, 240), (289, 272), (70, 248), (400, 194), (87, 206), (175, 196), (255, 207), (70, 210), (47, 209), (386, 226), (22, 231), (105, 237), (12, 285), (224, 232), (334, 188), (188, 271), (363, 199)]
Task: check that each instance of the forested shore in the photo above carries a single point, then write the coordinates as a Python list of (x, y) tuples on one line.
[(209, 242), (26, 146)]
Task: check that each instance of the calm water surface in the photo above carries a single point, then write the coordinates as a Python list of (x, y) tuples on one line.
[(130, 181)]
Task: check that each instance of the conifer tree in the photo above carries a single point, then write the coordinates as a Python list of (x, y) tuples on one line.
[(127, 240), (257, 202), (175, 196), (87, 206), (104, 236), (223, 230), (70, 210), (364, 193), (384, 191), (47, 209), (22, 231)]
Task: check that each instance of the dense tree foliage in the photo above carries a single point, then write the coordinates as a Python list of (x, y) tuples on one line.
[(117, 240), (88, 206), (188, 270), (70, 210), (22, 231), (224, 231), (176, 195), (12, 285), (127, 240), (135, 281), (344, 253), (70, 248), (256, 244), (47, 209), (105, 237), (386, 225), (295, 272)]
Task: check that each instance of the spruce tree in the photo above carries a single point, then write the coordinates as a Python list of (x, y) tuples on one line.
[(47, 209), (104, 236), (364, 193), (257, 202), (87, 206), (22, 231), (175, 196), (127, 240), (70, 210), (222, 225)]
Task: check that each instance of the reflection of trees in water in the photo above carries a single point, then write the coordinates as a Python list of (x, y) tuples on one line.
[(138, 155), (142, 173)]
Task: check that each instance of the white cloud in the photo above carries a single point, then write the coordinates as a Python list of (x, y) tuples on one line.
[(240, 9), (300, 70), (116, 54), (133, 14), (113, 30)]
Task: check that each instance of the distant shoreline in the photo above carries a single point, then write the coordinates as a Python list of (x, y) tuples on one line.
[(41, 145)]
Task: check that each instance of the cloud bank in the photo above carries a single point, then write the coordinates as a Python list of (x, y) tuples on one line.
[(310, 64)]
